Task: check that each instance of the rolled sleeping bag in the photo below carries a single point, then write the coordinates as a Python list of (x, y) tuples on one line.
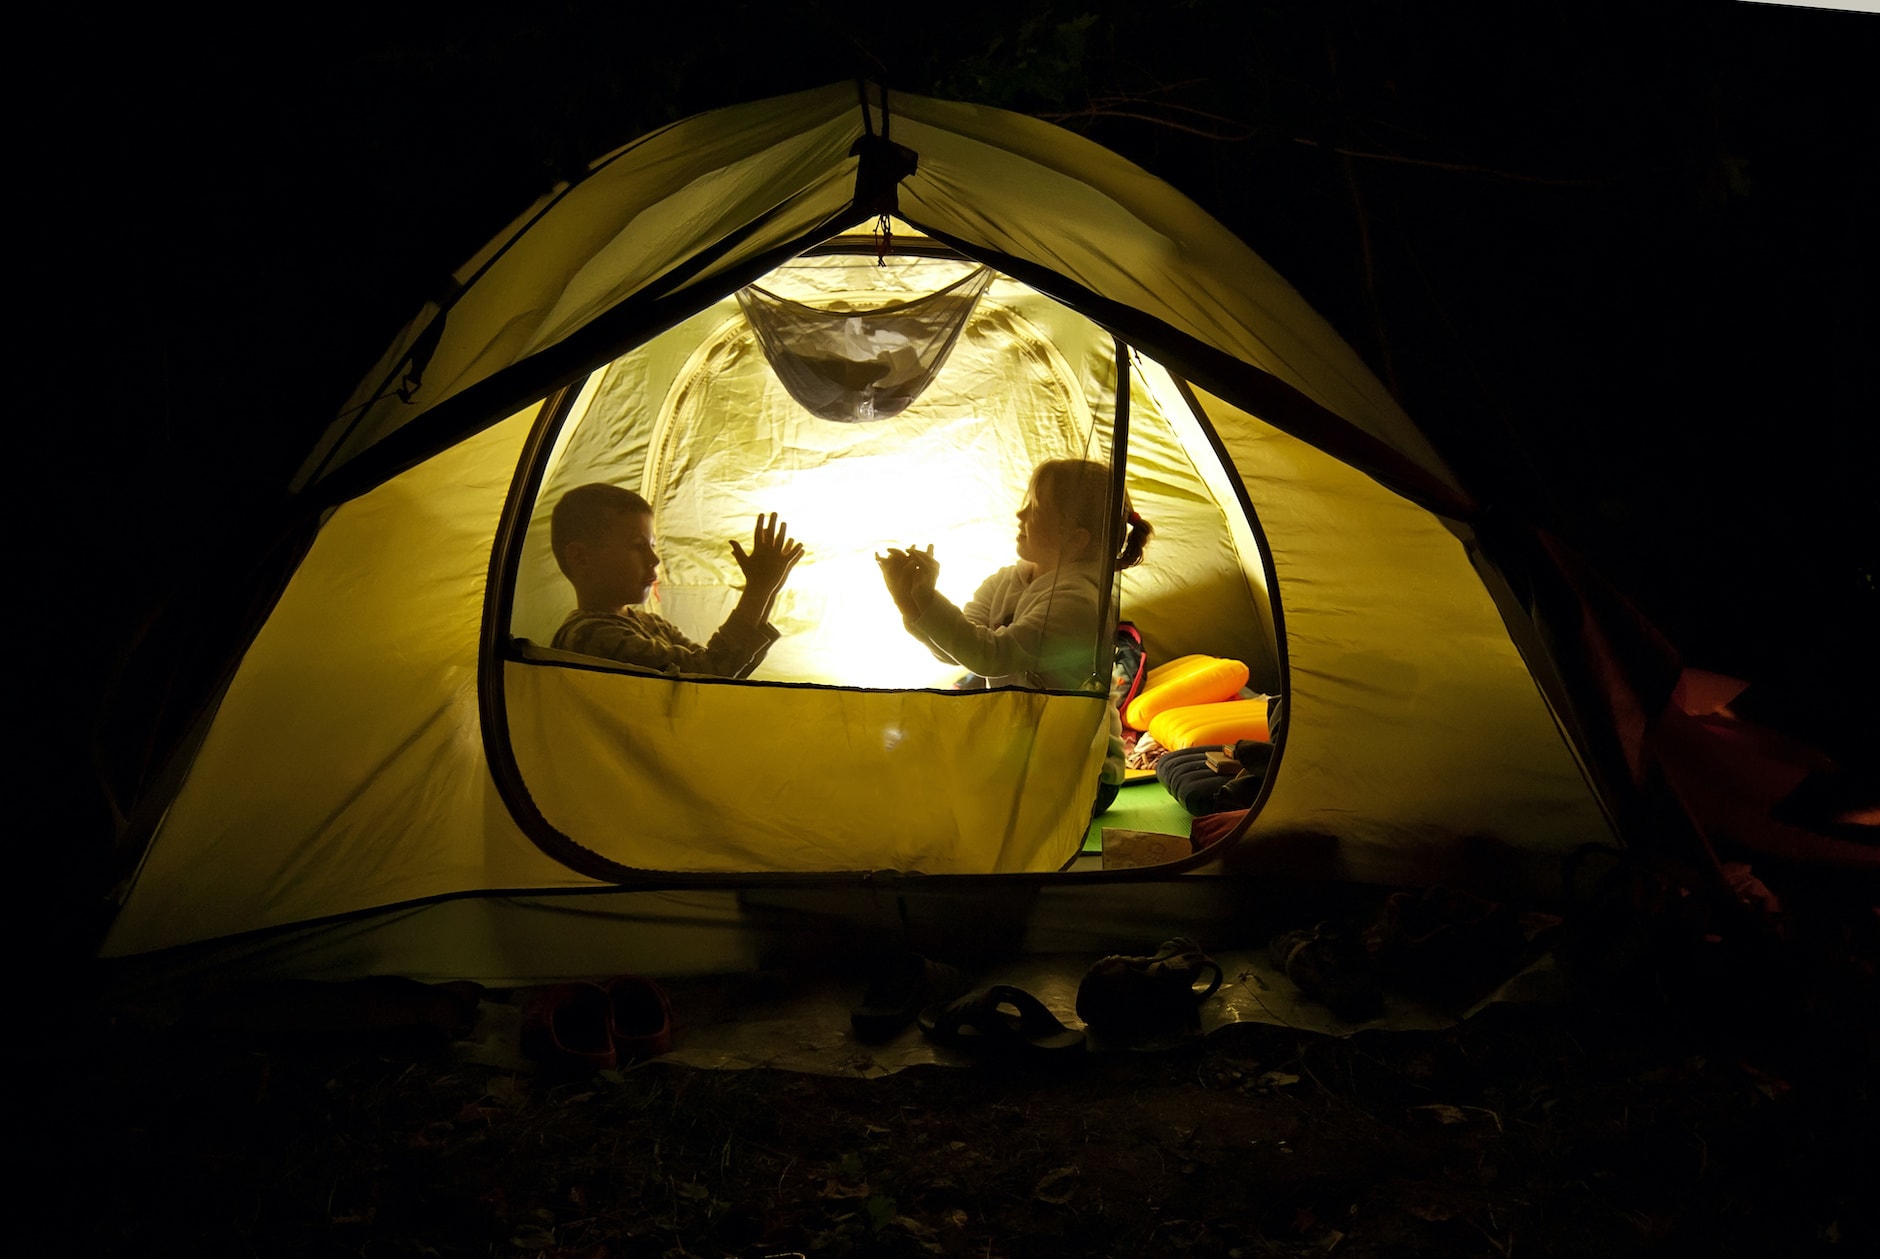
[(1216, 724), (1172, 765), (1184, 682), (1190, 779), (1203, 789)]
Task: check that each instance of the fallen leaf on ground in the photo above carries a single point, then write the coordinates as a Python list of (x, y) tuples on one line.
[(1445, 1114), (1046, 1190), (1434, 1212)]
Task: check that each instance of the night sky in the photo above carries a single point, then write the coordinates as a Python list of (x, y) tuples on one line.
[(1619, 267)]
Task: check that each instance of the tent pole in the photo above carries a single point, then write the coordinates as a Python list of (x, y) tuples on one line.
[(1112, 539)]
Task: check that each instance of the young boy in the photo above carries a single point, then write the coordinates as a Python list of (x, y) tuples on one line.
[(602, 536)]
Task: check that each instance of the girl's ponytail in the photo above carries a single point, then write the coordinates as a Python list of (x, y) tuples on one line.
[(1135, 539)]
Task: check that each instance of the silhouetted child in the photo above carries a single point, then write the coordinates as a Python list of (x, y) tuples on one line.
[(1033, 623), (602, 536)]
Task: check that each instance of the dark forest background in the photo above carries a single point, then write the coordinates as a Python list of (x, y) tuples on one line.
[(1616, 259)]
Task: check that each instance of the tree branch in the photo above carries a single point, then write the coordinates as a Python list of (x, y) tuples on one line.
[(1463, 167), (1143, 107)]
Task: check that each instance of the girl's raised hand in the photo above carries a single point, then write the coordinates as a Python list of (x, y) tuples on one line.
[(922, 571), (909, 575)]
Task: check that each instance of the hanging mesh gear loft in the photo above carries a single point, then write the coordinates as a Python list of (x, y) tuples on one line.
[(853, 366)]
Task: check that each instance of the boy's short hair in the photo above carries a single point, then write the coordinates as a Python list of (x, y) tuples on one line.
[(585, 511)]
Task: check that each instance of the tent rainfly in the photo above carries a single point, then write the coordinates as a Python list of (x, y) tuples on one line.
[(398, 774)]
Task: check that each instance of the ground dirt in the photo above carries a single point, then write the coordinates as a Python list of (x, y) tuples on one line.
[(1681, 1103)]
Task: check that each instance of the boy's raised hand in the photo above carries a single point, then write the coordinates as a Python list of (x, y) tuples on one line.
[(772, 555)]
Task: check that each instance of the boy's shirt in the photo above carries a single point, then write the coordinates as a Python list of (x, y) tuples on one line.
[(653, 642)]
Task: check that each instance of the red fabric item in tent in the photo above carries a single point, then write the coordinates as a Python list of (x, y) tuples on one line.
[(1211, 828)]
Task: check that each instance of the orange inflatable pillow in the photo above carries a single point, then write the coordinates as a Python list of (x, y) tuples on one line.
[(1168, 668), (1200, 724), (1183, 682)]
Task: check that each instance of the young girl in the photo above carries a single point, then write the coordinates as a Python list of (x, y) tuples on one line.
[(1034, 623)]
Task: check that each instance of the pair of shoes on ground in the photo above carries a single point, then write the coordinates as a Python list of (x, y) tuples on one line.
[(993, 1019), (1127, 999), (1133, 999), (594, 1027)]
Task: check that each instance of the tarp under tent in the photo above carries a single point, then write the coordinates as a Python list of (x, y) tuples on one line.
[(399, 774)]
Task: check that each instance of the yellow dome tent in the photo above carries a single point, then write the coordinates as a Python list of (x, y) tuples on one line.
[(399, 776)]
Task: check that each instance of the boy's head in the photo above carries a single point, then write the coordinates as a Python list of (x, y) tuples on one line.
[(602, 536)]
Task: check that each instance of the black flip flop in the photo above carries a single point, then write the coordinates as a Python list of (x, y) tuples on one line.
[(1001, 1019)]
